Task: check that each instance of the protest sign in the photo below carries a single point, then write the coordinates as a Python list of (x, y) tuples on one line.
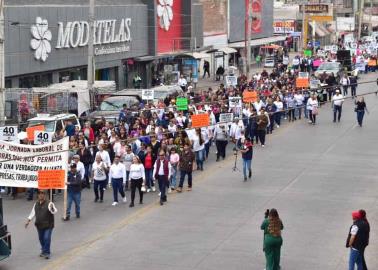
[(249, 96), (148, 94), (231, 81), (234, 102), (302, 83), (19, 163), (8, 133), (307, 53), (200, 120), (314, 84), (226, 117), (42, 137), (30, 131), (52, 179), (182, 104)]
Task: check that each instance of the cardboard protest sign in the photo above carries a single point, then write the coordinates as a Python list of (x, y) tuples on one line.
[(231, 80), (307, 53), (182, 104), (20, 163), (249, 96), (30, 131), (302, 83), (234, 102), (148, 94), (52, 179), (226, 117), (200, 120)]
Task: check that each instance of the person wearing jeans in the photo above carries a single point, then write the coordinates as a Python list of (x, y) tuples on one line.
[(337, 102), (360, 110), (186, 167), (74, 185), (247, 153), (117, 175), (174, 159), (358, 239), (99, 178), (44, 212), (149, 160)]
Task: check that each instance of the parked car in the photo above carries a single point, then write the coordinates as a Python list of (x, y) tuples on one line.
[(53, 123)]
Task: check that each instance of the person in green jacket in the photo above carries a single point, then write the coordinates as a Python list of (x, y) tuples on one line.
[(272, 226)]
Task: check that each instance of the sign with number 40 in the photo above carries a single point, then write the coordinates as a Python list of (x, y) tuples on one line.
[(8, 133), (42, 137)]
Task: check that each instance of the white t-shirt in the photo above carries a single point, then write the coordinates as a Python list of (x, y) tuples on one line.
[(99, 171), (279, 105), (196, 143), (338, 100)]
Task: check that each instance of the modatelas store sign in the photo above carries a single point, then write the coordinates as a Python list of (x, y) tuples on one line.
[(110, 36)]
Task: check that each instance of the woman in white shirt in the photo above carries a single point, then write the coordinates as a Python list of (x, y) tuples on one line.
[(137, 179), (312, 107), (198, 148), (99, 169), (174, 159), (278, 113)]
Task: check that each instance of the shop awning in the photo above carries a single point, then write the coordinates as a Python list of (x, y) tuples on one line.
[(198, 55), (227, 50), (258, 42)]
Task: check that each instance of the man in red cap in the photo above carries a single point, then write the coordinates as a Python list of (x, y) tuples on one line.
[(357, 240)]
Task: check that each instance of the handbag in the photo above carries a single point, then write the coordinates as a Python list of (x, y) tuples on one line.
[(315, 111)]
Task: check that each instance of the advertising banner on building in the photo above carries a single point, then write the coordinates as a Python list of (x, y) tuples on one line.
[(283, 26), (257, 7), (20, 164), (345, 23)]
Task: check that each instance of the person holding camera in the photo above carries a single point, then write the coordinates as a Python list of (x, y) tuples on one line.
[(272, 227), (246, 148)]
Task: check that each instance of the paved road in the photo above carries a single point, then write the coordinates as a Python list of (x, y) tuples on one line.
[(314, 175)]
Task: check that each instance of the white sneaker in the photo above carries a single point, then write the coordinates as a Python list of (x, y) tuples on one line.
[(263, 145), (124, 199), (278, 126), (148, 190), (159, 194), (114, 203), (153, 189), (169, 190)]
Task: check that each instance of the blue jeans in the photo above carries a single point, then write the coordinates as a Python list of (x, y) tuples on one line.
[(277, 118), (149, 180), (360, 117), (99, 186), (247, 164), (117, 186), (44, 236), (355, 258), (163, 183), (73, 197), (173, 176), (207, 149), (182, 178), (199, 158)]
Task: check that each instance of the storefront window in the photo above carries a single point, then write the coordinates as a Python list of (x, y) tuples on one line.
[(73, 74), (42, 80)]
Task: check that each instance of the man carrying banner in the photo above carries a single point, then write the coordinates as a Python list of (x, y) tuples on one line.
[(43, 211)]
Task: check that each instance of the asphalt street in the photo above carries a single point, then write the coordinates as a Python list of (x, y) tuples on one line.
[(314, 175)]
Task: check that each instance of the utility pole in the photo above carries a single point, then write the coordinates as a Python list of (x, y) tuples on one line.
[(371, 17), (304, 38), (360, 15), (91, 62), (2, 66), (249, 36)]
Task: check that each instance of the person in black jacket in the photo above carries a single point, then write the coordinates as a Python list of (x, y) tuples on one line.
[(87, 159), (364, 219), (73, 191), (358, 239)]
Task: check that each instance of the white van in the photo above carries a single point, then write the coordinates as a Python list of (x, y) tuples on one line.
[(53, 123)]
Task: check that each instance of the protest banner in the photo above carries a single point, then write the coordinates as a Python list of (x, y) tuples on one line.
[(182, 104), (302, 83), (234, 102), (19, 163), (231, 80), (249, 96), (226, 117), (42, 137), (52, 179), (30, 131), (200, 120), (8, 133), (148, 94)]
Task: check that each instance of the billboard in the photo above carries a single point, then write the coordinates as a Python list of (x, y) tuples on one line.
[(283, 26)]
